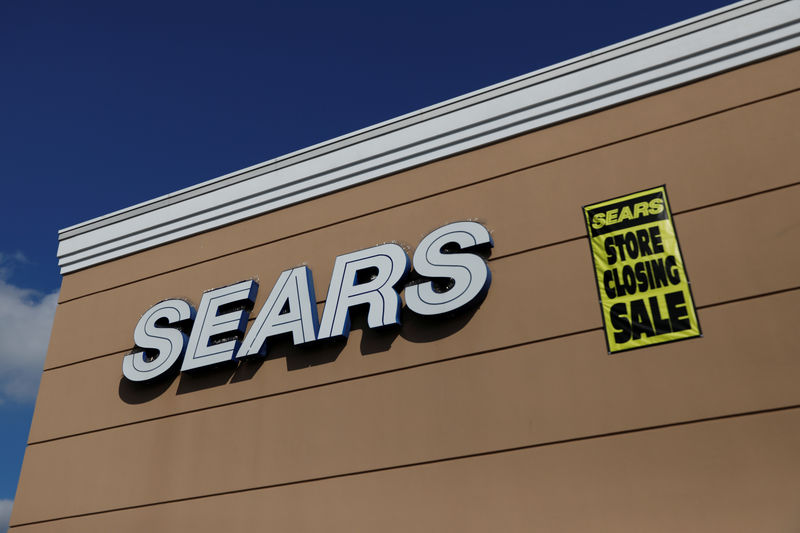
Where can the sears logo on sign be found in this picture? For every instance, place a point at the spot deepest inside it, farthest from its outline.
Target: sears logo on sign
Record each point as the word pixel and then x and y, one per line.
pixel 291 305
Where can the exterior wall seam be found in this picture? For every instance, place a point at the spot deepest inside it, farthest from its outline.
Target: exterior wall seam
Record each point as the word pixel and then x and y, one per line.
pixel 611 434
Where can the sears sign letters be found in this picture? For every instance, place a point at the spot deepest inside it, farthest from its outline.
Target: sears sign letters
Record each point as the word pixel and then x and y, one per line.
pixel 370 277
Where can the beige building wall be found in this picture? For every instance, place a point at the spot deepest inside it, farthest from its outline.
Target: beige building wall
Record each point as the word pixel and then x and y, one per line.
pixel 512 417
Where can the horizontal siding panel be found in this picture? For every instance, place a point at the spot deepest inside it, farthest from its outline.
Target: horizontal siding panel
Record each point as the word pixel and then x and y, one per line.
pixel 545 392
pixel 738 475
pixel 686 103
pixel 737 153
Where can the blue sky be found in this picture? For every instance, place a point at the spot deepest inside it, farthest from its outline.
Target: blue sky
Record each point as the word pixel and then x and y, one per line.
pixel 107 104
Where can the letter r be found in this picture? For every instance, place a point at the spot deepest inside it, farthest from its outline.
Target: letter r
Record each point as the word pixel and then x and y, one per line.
pixel 392 265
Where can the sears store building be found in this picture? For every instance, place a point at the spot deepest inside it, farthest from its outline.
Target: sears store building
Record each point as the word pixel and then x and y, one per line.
pixel 405 328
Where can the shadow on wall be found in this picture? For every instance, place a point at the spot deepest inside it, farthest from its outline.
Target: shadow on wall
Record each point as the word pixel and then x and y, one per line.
pixel 415 328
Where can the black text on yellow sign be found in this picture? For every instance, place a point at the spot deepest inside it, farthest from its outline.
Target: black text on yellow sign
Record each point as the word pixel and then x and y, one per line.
pixel 645 294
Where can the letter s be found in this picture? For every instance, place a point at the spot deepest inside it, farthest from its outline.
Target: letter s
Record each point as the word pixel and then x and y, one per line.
pixel 656 206
pixel 469 273
pixel 168 342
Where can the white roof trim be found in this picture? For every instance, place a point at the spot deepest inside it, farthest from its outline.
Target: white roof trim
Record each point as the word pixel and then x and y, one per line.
pixel 717 41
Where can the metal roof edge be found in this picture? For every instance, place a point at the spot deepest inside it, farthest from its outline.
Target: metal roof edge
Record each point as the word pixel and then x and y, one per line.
pixel 732 36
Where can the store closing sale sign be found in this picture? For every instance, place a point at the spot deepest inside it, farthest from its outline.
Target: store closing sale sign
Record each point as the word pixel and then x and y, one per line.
pixel 645 294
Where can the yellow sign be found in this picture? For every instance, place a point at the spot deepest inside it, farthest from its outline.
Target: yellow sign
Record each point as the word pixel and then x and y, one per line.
pixel 645 295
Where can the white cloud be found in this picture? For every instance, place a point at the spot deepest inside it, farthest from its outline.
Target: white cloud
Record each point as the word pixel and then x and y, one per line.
pixel 26 317
pixel 5 514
